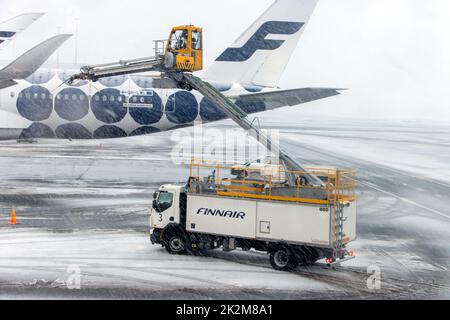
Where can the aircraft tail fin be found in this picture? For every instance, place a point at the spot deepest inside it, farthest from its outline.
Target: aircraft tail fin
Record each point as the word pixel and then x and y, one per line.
pixel 9 29
pixel 260 55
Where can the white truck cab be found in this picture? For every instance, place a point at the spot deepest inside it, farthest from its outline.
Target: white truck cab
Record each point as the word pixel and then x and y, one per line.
pixel 166 206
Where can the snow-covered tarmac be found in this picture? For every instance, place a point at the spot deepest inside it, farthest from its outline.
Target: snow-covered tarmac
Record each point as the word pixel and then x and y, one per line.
pixel 84 206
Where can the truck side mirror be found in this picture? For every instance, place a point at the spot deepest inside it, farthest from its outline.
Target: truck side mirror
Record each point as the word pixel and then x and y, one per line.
pixel 155 195
pixel 155 204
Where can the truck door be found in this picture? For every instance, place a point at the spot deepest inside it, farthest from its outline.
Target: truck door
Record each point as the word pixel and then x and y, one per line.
pixel 197 49
pixel 163 210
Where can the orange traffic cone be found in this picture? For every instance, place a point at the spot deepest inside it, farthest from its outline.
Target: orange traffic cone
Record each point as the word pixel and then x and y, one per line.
pixel 13 217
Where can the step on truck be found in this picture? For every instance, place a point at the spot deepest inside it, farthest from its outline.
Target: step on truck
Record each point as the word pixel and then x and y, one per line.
pixel 252 207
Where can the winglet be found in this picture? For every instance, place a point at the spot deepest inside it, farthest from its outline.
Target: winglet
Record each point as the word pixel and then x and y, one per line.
pixel 33 59
pixel 9 29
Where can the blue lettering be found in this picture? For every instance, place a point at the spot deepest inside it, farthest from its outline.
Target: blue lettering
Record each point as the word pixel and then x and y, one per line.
pixel 221 213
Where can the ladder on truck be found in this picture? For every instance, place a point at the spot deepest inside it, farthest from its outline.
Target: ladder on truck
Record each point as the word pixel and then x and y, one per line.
pixel 338 204
pixel 338 230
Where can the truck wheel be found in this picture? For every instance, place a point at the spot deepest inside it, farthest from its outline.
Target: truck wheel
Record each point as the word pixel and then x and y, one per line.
pixel 175 244
pixel 282 258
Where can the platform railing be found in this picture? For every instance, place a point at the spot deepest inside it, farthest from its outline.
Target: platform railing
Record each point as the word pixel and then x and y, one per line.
pixel 339 184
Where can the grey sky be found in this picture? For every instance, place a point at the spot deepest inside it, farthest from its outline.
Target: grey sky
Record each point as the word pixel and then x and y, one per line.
pixel 392 55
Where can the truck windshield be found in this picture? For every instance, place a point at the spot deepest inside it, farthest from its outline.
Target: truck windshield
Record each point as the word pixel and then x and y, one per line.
pixel 179 40
pixel 164 202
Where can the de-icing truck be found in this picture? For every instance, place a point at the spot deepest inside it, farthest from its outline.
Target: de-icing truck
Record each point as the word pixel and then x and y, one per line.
pixel 252 207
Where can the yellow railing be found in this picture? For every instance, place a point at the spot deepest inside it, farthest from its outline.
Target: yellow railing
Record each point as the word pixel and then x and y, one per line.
pixel 339 185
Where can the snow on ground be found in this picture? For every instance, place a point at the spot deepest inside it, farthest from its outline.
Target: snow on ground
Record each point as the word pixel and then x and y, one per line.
pixel 422 150
pixel 129 258
pixel 85 205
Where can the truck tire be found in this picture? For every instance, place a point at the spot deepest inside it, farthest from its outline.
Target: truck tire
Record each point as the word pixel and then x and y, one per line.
pixel 282 258
pixel 175 244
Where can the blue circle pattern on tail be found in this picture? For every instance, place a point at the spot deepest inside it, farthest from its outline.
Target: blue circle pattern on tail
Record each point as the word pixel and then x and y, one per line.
pixel 72 104
pixel 35 103
pixel 146 109
pixel 72 131
pixel 108 106
pixel 181 107
pixel 37 130
pixel 107 132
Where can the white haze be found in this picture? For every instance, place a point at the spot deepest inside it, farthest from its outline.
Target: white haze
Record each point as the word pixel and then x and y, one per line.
pixel 392 55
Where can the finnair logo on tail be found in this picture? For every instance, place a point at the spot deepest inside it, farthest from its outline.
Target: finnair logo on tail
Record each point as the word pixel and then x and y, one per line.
pixel 259 42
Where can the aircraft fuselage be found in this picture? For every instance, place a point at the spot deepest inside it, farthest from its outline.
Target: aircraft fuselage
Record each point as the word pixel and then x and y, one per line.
pixel 110 108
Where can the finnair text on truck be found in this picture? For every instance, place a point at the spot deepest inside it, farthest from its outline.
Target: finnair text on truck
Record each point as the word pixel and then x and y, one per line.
pixel 222 213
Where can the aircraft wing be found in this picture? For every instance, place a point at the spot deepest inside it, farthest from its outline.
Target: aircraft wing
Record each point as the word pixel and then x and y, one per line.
pixel 7 83
pixel 9 29
pixel 30 61
pixel 283 98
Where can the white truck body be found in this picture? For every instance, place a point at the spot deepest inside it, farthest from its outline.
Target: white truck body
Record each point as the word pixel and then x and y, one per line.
pixel 309 224
pixel 273 221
